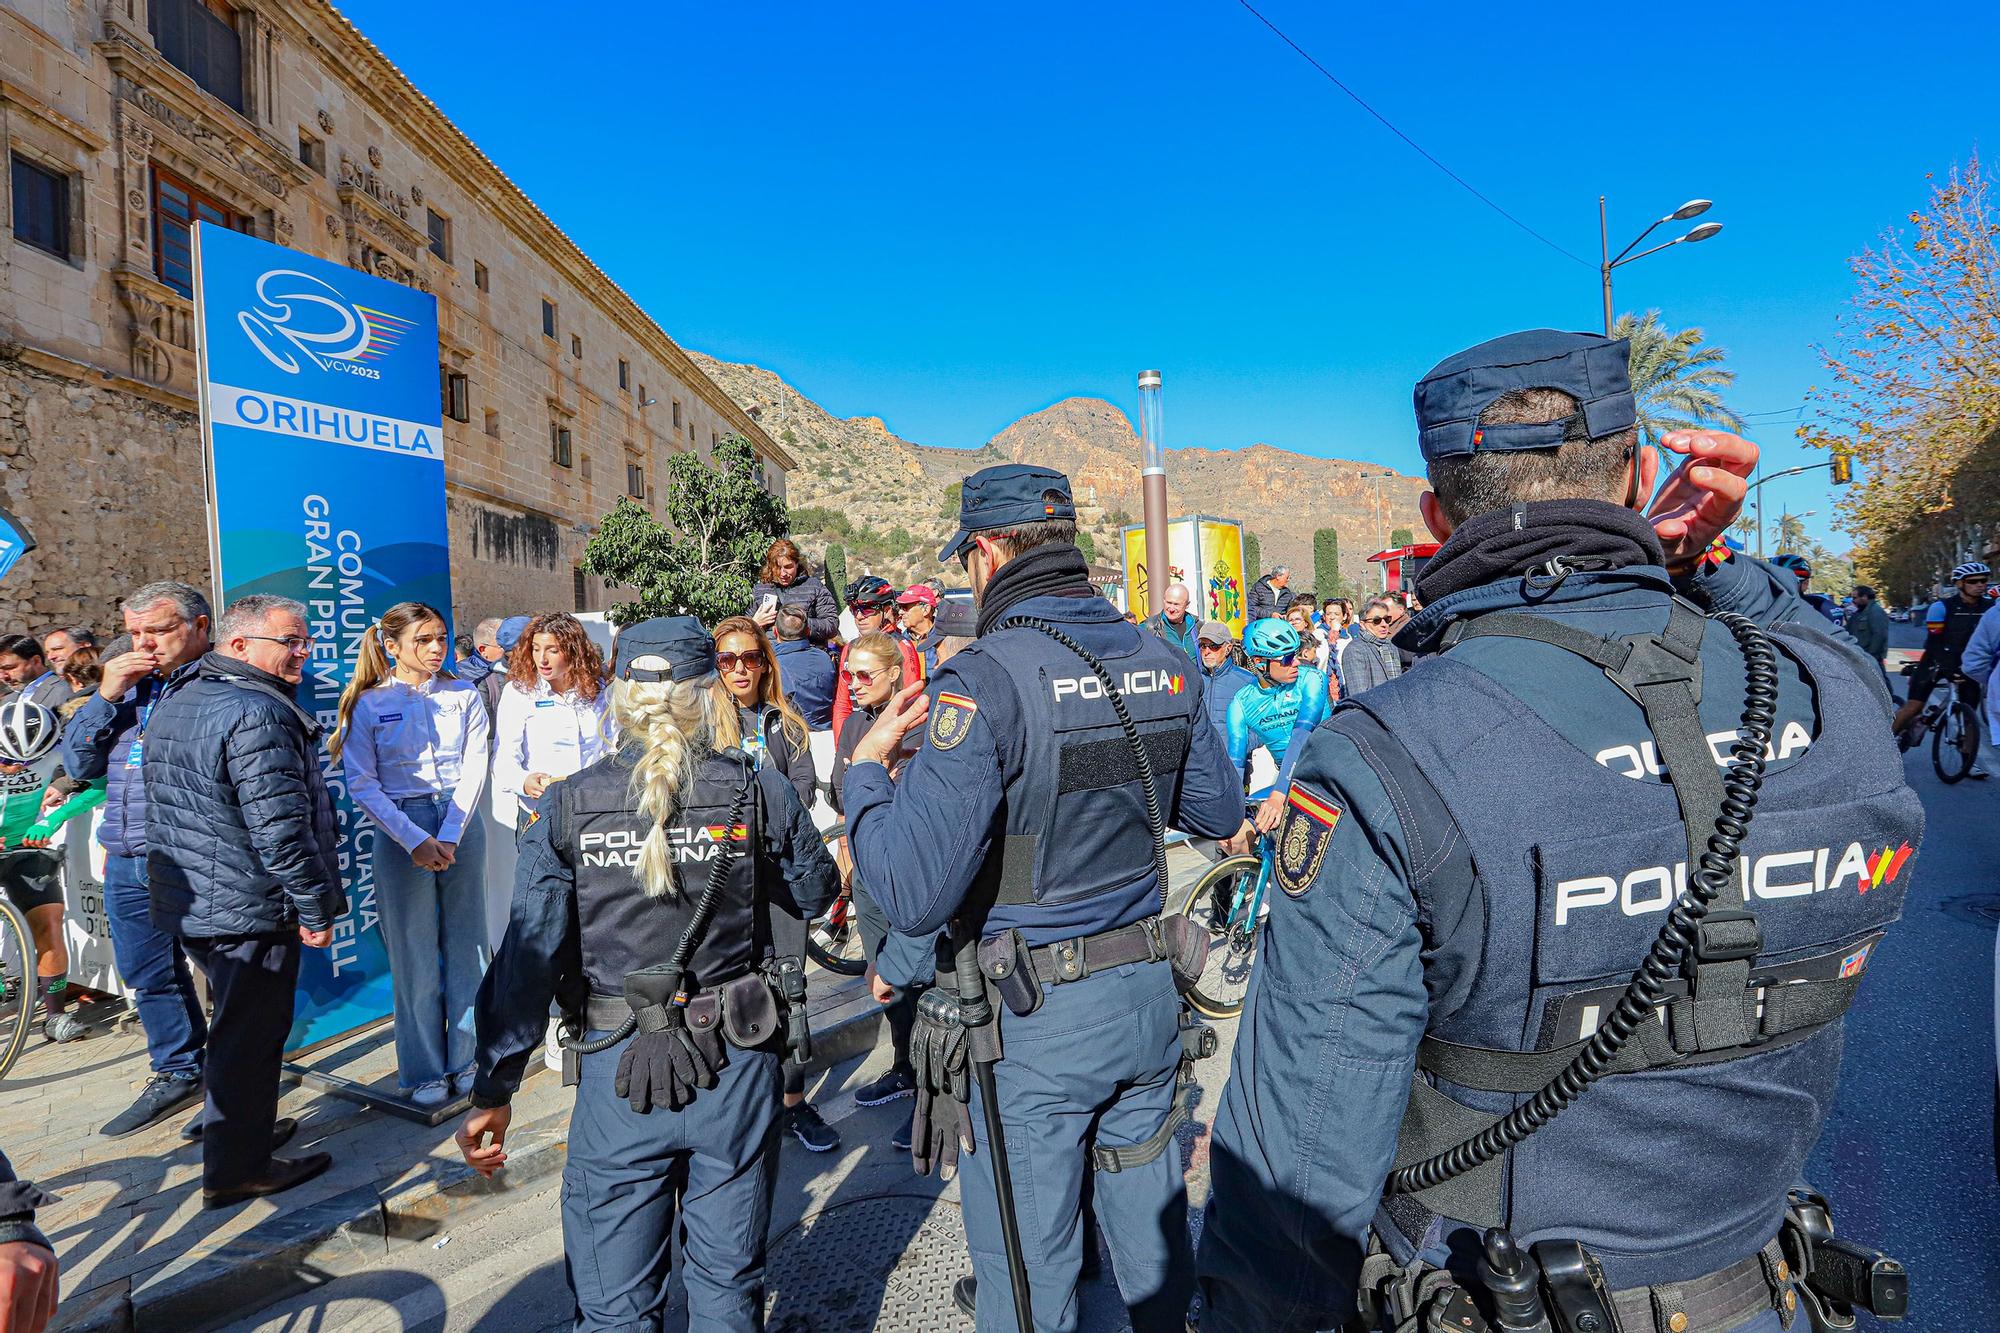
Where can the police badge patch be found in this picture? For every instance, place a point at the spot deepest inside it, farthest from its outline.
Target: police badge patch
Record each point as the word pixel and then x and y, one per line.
pixel 1302 838
pixel 951 718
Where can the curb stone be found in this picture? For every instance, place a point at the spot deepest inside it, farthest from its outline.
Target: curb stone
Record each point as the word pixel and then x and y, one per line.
pixel 297 1249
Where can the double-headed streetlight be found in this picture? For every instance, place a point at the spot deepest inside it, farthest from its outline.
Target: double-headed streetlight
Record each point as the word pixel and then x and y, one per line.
pixel 1692 208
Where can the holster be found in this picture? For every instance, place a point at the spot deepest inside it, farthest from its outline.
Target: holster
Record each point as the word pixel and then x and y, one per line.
pixel 749 1011
pixel 788 979
pixel 1005 961
pixel 1186 947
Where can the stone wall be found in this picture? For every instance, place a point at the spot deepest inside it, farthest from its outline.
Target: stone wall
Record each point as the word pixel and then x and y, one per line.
pixel 109 483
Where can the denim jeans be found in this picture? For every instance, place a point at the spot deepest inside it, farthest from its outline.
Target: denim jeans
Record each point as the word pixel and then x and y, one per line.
pixel 434 930
pixel 155 970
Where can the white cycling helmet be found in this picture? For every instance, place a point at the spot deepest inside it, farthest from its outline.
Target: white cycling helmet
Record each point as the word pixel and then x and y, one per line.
pixel 27 731
pixel 1971 569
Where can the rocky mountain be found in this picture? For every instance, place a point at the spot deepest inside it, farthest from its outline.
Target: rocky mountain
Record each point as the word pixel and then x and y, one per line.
pixel 888 502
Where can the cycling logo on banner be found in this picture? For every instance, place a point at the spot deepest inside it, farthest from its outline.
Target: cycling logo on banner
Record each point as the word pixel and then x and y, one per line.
pixel 302 319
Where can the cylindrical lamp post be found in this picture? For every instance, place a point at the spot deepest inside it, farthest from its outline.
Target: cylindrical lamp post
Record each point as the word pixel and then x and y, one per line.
pixel 1153 483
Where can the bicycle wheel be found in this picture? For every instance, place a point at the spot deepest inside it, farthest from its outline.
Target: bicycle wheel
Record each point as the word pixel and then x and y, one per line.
pixel 833 939
pixel 1955 743
pixel 17 984
pixel 1219 903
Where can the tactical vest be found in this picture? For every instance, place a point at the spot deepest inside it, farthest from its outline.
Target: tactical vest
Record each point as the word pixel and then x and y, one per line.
pixel 623 929
pixel 1677 1165
pixel 1076 822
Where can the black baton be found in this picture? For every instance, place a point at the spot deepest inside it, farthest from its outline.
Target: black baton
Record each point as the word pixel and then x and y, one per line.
pixel 982 1043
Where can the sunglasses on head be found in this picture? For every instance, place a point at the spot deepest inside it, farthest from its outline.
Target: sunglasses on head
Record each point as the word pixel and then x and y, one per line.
pixel 730 661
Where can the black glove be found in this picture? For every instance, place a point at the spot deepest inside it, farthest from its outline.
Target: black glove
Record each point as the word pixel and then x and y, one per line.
pixel 941 1124
pixel 666 1063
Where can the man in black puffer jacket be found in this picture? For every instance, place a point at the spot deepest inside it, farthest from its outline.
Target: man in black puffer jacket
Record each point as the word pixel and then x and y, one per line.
pixel 242 867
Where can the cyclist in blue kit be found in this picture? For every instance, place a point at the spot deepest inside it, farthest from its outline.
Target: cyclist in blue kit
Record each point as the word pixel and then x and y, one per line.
pixel 1289 701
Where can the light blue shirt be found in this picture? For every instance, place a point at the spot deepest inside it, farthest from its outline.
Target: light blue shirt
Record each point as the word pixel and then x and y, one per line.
pixel 412 740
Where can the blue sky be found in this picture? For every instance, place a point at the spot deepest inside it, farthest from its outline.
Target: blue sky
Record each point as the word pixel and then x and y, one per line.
pixel 949 216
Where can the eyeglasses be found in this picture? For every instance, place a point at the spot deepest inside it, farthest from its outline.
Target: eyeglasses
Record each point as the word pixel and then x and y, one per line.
pixel 730 661
pixel 296 644
pixel 863 677
pixel 1208 647
pixel 867 610
pixel 1289 659
pixel 1380 620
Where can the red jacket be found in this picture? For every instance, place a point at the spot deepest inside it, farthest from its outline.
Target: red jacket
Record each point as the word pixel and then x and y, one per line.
pixel 843 703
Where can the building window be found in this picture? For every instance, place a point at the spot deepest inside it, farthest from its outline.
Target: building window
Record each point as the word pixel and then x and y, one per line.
pixel 177 206
pixel 492 423
pixel 677 414
pixel 198 38
pixel 479 279
pixel 548 318
pixel 576 344
pixel 559 445
pixel 456 392
pixel 576 587
pixel 585 469
pixel 635 481
pixel 439 227
pixel 624 373
pixel 312 152
pixel 41 207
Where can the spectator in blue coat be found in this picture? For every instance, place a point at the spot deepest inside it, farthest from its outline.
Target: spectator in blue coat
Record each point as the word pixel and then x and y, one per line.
pixel 169 625
pixel 242 864
pixel 804 669
pixel 786 581
pixel 1221 676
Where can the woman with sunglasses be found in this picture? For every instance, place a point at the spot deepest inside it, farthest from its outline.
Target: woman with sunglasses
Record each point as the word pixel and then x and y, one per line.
pixel 753 715
pixel 1371 658
pixel 873 604
pixel 1288 700
pixel 875 672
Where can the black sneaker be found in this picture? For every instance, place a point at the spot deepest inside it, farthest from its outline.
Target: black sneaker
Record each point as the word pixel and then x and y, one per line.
pixel 804 1123
pixel 885 1089
pixel 163 1095
pixel 965 1295
pixel 900 1140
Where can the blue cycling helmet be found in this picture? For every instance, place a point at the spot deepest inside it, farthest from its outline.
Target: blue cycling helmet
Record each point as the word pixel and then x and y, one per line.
pixel 1270 637
pixel 1796 563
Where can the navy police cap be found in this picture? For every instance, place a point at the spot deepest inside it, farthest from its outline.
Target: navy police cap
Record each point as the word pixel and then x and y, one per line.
pixel 1594 370
pixel 664 648
pixel 1007 496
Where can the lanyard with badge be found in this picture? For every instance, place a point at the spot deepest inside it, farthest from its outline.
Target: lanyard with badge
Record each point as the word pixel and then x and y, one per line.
pixel 136 752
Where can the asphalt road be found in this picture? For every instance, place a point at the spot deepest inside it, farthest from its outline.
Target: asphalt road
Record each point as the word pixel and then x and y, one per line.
pixel 1907 1157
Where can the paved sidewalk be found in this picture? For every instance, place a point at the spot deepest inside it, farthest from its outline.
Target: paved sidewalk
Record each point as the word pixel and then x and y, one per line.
pixel 138 1251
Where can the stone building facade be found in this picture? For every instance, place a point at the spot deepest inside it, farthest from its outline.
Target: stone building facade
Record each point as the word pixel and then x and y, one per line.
pixel 123 122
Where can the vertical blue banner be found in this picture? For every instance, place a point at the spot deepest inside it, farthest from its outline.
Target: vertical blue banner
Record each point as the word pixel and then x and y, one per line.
pixel 319 401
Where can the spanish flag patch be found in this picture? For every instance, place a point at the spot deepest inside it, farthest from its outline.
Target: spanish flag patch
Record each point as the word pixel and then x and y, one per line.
pixel 1303 834
pixel 951 719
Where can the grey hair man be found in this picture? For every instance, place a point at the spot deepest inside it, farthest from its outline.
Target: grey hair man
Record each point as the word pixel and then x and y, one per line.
pixel 167 624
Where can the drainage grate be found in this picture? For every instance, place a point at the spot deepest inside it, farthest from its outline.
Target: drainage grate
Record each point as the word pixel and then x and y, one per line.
pixel 884 1262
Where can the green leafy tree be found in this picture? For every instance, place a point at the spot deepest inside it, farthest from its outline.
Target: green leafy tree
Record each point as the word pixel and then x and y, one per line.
pixel 951 498
pixel 1253 559
pixel 1676 382
pixel 1085 543
pixel 1326 564
pixel 1401 537
pixel 836 568
pixel 705 563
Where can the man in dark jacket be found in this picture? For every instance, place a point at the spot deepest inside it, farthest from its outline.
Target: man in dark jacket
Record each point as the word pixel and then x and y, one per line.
pixel 1176 624
pixel 1372 656
pixel 805 671
pixel 242 864
pixel 1869 623
pixel 1267 595
pixel 169 625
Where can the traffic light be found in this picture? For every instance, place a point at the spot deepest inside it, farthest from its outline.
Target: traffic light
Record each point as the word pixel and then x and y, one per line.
pixel 1843 467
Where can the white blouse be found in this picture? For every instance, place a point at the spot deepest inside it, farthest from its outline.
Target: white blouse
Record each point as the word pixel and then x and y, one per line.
pixel 540 731
pixel 417 740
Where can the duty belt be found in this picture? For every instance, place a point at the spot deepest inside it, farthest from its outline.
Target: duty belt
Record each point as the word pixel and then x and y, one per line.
pixel 1073 960
pixel 744 1008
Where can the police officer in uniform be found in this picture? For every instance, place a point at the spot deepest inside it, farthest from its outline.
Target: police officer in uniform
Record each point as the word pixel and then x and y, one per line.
pixel 1022 821
pixel 1477 857
pixel 644 917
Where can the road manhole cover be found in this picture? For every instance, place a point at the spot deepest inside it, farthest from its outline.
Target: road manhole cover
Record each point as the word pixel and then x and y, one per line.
pixel 887 1261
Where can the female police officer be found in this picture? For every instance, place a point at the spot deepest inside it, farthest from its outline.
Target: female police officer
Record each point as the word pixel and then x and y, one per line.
pixel 641 900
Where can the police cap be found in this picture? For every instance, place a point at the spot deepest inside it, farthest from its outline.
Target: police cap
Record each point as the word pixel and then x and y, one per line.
pixel 996 498
pixel 1594 370
pixel 664 648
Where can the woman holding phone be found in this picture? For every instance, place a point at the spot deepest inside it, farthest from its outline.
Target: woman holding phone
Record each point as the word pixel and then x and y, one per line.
pixel 551 721
pixel 755 716
pixel 786 580
pixel 414 741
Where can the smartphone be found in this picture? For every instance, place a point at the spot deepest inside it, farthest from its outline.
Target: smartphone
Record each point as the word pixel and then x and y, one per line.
pixel 770 604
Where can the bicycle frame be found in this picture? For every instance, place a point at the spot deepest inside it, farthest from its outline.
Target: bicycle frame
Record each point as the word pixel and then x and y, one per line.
pixel 1256 894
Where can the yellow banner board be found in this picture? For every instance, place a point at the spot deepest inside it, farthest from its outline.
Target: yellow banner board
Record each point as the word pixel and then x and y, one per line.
pixel 1204 555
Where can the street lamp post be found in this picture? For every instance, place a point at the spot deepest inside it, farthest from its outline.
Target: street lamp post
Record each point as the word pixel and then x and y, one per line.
pixel 1375 496
pixel 1692 208
pixel 1756 495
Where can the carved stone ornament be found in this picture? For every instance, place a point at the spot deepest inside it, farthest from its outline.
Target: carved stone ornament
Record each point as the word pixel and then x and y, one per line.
pixel 235 153
pixel 161 324
pixel 284 228
pixel 332 225
pixel 417 195
pixel 325 121
pixel 136 200
pixel 374 156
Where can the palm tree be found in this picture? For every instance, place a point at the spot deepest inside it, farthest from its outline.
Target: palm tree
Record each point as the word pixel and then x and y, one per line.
pixel 1746 528
pixel 1677 383
pixel 1791 533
